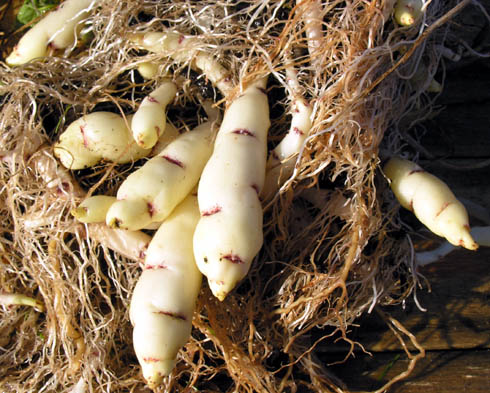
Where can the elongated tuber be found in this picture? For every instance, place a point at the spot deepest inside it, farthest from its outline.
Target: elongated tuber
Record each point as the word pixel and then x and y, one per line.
pixel 149 121
pixel 150 193
pixel 95 137
pixel 282 159
pixel 56 30
pixel 229 233
pixel 185 49
pixel 165 296
pixel 431 200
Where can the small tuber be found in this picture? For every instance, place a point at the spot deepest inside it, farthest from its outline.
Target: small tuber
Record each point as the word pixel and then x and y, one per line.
pixel 431 200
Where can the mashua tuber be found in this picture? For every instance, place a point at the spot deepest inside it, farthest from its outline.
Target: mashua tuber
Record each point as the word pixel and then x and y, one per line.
pixel 56 30
pixel 149 121
pixel 95 137
pixel 150 193
pixel 229 233
pixel 165 296
pixel 431 200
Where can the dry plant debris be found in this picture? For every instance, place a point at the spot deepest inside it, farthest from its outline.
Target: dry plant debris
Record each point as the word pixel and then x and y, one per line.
pixel 334 247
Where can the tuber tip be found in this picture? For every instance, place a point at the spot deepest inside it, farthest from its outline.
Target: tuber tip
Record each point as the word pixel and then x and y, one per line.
pixel 79 213
pixel 218 289
pixel 154 371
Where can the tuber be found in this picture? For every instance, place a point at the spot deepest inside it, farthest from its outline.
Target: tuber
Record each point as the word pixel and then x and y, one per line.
pixel 165 296
pixel 431 200
pixel 185 49
pixel 229 233
pixel 150 193
pixel 282 159
pixel 93 209
pixel 95 137
pixel 149 121
pixel 407 12
pixel 56 30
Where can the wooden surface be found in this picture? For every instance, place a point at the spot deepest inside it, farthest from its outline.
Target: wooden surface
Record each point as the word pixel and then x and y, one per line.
pixel 454 331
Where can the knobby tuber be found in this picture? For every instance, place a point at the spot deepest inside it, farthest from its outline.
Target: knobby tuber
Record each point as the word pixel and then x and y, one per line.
pixel 150 193
pixel 229 233
pixel 149 121
pixel 165 296
pixel 56 30
pixel 431 200
pixel 95 137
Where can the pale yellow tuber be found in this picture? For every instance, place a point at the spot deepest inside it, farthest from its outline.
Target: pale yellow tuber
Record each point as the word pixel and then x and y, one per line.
pixel 93 209
pixel 229 233
pixel 407 12
pixel 165 296
pixel 95 137
pixel 149 121
pixel 431 200
pixel 150 193
pixel 57 30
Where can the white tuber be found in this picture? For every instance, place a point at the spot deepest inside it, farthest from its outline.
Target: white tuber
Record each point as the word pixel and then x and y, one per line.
pixel 431 200
pixel 185 49
pixel 229 233
pixel 147 70
pixel 150 193
pixel 95 137
pixel 149 121
pixel 165 296
pixel 57 30
pixel 282 159
pixel 129 244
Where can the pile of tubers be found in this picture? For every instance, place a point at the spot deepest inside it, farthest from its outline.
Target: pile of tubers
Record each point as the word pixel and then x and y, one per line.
pixel 201 193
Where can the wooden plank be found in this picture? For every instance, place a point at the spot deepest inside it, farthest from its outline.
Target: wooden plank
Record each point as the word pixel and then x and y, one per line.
pixel 458 307
pixel 439 371
pixel 457 316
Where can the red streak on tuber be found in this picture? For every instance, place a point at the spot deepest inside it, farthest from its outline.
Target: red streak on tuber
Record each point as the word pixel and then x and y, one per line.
pixel 85 140
pixel 157 129
pixel 415 171
pixel 156 267
pixel 152 99
pixel 243 131
pixel 233 258
pixel 262 90
pixel 172 315
pixel 174 161
pixel 210 212
pixel 256 188
pixel 151 208
pixel 181 39
pixel 151 360
pixel 446 204
pixel 142 254
pixel 298 131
